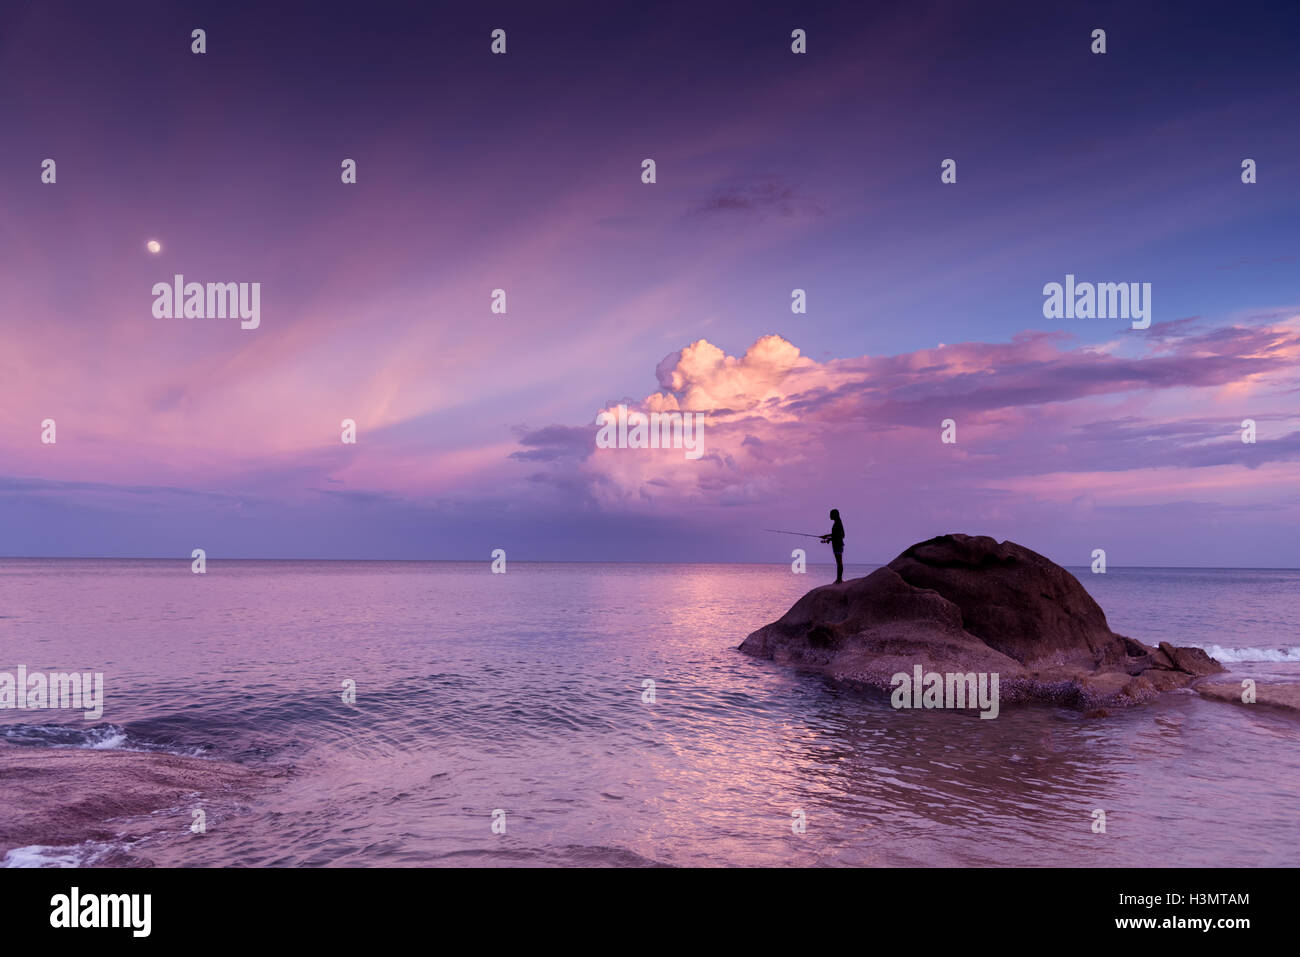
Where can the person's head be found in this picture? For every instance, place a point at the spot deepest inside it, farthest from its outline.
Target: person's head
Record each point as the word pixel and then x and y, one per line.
pixel 835 514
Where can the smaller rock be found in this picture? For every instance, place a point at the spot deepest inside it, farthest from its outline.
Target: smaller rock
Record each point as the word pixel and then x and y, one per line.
pixel 1193 661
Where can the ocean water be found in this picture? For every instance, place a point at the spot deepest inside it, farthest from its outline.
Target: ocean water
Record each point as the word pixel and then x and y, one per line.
pixel 523 693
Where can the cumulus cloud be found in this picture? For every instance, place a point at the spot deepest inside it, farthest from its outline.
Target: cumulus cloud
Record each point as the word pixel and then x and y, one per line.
pixel 780 424
pixel 702 377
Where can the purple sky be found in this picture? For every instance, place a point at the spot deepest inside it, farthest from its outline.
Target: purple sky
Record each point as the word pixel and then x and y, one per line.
pixel 774 171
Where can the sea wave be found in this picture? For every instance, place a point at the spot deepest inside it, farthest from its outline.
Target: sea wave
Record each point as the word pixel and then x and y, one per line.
pixel 102 737
pixel 44 855
pixel 1252 654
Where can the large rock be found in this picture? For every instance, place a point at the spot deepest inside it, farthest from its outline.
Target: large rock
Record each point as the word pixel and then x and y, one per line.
pixel 962 603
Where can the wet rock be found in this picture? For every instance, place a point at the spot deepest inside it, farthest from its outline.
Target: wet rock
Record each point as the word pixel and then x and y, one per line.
pixel 962 603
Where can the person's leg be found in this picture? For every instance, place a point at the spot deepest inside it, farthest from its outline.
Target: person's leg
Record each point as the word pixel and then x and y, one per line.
pixel 839 567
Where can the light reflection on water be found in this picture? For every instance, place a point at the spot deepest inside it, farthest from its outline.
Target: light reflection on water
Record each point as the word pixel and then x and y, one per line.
pixel 524 692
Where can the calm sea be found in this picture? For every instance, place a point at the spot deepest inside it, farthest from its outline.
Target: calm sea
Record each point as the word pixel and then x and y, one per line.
pixel 523 693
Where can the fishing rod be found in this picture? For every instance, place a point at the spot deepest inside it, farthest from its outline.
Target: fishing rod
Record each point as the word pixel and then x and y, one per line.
pixel 781 531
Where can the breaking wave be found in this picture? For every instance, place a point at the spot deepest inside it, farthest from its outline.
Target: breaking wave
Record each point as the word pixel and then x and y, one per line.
pixel 103 737
pixel 1252 654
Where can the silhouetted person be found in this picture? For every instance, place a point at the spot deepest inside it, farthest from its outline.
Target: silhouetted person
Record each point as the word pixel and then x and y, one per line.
pixel 836 539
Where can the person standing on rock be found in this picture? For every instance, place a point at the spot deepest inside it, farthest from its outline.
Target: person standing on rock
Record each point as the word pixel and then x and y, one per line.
pixel 836 540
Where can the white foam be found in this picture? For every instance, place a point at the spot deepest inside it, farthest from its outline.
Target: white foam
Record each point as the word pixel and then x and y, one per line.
pixel 42 855
pixel 111 741
pixel 1252 654
pixel 105 737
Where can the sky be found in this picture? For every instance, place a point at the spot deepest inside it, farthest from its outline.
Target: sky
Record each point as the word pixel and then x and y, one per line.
pixel 775 171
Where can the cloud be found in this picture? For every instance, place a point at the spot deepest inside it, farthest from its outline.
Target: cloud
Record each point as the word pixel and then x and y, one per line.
pixel 555 443
pixel 702 377
pixel 756 196
pixel 780 424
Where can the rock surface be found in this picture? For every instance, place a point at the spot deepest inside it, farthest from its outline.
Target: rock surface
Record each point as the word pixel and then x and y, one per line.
pixel 1272 695
pixel 962 603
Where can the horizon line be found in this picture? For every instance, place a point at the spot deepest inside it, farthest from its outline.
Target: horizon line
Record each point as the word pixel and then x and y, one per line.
pixel 568 561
